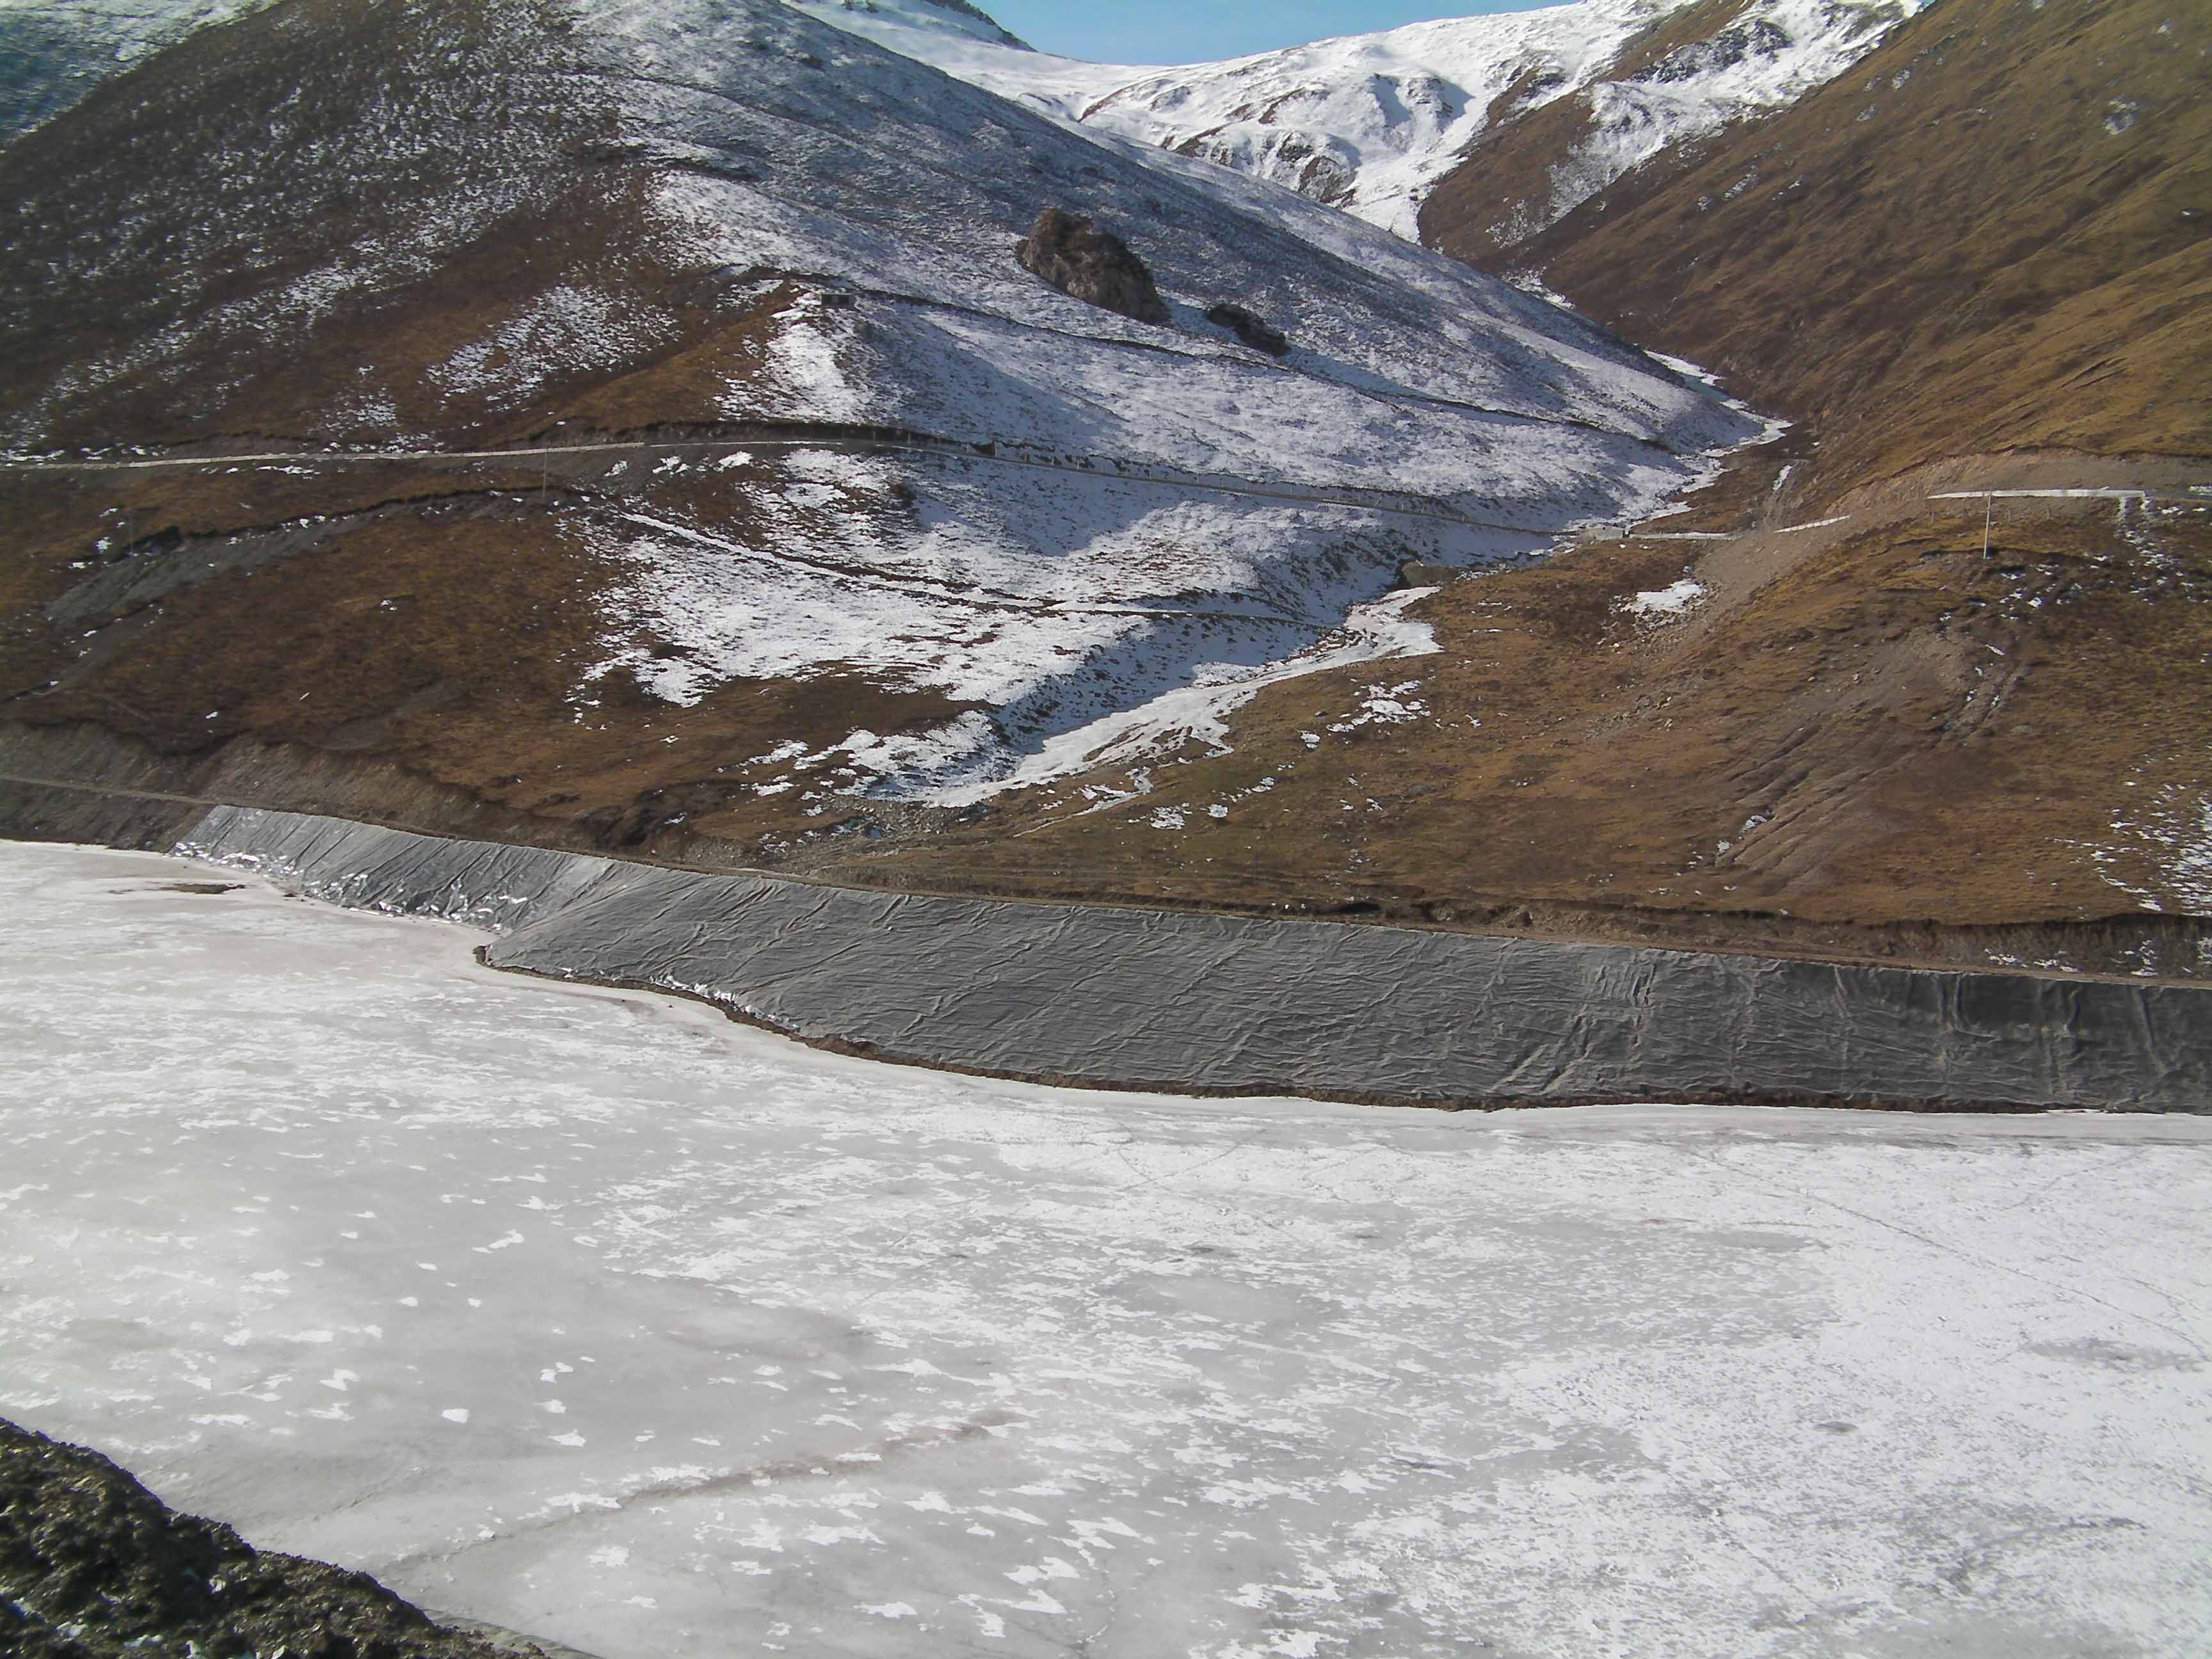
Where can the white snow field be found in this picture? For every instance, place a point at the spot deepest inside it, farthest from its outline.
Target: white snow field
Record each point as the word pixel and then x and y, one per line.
pixel 596 1316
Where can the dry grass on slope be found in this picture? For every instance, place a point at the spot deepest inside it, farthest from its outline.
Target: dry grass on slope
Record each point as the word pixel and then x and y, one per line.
pixel 357 224
pixel 1854 740
pixel 1992 234
pixel 438 622
pixel 1864 740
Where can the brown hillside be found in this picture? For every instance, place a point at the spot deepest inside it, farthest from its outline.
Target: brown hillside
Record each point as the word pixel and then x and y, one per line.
pixel 1990 235
pixel 1870 738
pixel 1980 259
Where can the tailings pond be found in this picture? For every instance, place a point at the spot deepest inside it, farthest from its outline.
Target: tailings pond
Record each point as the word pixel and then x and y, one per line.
pixel 600 1317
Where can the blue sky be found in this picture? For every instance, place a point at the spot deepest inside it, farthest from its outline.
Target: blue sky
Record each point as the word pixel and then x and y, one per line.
pixel 1191 31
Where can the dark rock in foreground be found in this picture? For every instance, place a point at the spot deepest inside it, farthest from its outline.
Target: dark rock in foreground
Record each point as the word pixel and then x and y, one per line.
pixel 94 1565
pixel 1091 264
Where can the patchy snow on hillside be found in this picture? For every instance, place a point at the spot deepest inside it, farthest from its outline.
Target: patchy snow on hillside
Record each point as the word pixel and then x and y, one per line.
pixel 894 178
pixel 436 117
pixel 954 18
pixel 563 328
pixel 1084 613
pixel 2167 830
pixel 1770 57
pixel 1157 519
pixel 1093 512
pixel 599 1317
pixel 1372 122
pixel 1187 717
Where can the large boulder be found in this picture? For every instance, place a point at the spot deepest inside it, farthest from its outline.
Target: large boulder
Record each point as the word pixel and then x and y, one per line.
pixel 1254 330
pixel 1091 264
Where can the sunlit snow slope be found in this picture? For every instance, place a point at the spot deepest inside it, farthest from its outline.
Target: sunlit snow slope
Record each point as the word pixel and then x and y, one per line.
pixel 1370 122
pixel 1024 515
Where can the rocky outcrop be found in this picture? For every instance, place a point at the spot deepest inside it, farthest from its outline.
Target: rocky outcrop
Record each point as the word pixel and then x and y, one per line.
pixel 1255 330
pixel 987 25
pixel 94 1565
pixel 1090 265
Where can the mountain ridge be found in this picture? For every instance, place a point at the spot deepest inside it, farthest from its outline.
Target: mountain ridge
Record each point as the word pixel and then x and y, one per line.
pixel 1372 123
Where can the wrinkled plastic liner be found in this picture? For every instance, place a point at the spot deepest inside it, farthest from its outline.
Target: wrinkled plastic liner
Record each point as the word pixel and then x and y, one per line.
pixel 1234 1005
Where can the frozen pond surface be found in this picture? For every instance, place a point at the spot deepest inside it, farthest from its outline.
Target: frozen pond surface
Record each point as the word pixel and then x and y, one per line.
pixel 597 1317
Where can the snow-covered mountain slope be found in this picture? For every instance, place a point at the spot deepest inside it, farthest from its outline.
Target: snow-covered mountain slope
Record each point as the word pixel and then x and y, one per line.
pixel 1368 123
pixel 1372 122
pixel 932 477
pixel 51 53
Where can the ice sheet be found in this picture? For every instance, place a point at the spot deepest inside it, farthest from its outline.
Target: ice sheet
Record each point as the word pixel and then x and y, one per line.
pixel 595 1316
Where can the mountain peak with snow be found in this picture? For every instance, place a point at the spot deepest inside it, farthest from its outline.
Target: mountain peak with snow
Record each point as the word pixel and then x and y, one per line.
pixel 1371 123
